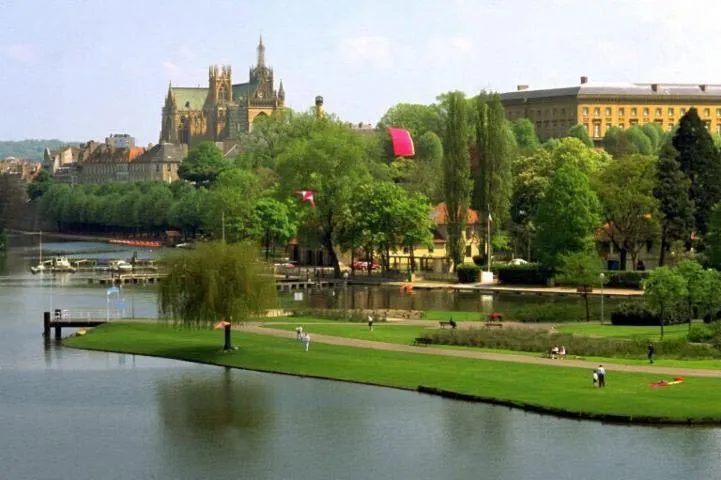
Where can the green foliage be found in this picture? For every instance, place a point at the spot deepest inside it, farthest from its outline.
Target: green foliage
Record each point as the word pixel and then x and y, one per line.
pixel 699 333
pixel 457 183
pixel 579 131
pixel 639 141
pixel 417 119
pixel 273 223
pixel 11 195
pixel 567 216
pixel 39 185
pixel 424 172
pixel 665 293
pixel 616 279
pixel 675 205
pixel 203 164
pixel 701 162
pixel 656 135
pixel 633 313
pixel 468 273
pixel 30 149
pixel 216 281
pixel 548 312
pixel 527 274
pixel 525 133
pixel 579 268
pixel 712 241
pixel 570 150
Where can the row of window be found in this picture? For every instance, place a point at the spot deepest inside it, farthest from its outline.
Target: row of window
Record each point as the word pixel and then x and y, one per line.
pixel 646 111
pixel 594 130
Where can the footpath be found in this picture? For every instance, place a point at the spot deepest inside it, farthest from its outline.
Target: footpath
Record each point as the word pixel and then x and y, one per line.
pixel 499 357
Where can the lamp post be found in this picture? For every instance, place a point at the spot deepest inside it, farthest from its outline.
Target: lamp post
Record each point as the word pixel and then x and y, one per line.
pixel 602 281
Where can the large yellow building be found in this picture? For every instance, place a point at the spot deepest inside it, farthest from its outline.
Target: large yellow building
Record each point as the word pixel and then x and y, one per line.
pixel 222 110
pixel 600 107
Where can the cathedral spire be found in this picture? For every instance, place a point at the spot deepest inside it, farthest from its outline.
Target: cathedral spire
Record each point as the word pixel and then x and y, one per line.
pixel 261 53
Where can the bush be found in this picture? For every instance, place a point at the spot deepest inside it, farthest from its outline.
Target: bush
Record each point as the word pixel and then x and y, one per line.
pixel 699 333
pixel 633 313
pixel 616 279
pixel 528 274
pixel 468 273
pixel 549 312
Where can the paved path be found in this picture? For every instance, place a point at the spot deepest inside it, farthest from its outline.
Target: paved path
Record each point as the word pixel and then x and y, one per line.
pixel 501 357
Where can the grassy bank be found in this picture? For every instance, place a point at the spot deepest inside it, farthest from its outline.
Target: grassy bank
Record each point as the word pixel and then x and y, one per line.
pixel 565 391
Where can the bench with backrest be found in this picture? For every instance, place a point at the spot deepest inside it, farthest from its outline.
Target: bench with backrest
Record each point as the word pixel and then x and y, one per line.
pixel 422 341
pixel 450 323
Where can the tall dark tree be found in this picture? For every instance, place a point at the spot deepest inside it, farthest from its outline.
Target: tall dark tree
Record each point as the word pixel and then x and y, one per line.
pixel 672 192
pixel 457 183
pixel 203 164
pixel 701 162
pixel 494 147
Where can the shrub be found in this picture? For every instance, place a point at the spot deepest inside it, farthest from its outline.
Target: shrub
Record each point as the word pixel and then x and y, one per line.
pixel 616 279
pixel 549 312
pixel 528 274
pixel 633 313
pixel 699 333
pixel 468 273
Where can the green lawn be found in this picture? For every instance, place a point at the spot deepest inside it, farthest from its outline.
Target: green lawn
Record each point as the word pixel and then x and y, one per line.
pixel 445 315
pixel 567 389
pixel 608 330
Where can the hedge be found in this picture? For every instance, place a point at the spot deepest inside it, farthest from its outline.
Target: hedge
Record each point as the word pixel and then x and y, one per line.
pixel 619 279
pixel 528 274
pixel 468 273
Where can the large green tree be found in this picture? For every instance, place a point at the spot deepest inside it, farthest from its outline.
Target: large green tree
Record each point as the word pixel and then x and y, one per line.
pixel 416 118
pixel 581 269
pixel 457 183
pixel 676 207
pixel 273 223
pixel 203 164
pixel 11 195
pixel 700 161
pixel 567 216
pixel 422 173
pixel 629 209
pixel 525 133
pixel 495 147
pixel 579 131
pixel 665 293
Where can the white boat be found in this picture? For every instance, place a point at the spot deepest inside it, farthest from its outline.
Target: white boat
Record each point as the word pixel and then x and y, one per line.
pixel 61 264
pixel 121 266
pixel 40 267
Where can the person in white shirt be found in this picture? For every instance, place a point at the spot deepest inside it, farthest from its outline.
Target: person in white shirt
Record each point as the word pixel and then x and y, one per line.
pixel 306 341
pixel 601 376
pixel 370 323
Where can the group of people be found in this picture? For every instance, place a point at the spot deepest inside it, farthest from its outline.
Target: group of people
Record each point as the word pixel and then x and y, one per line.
pixel 302 336
pixel 557 352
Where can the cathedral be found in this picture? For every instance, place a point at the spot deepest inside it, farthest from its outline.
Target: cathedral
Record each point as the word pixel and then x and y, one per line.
pixel 221 111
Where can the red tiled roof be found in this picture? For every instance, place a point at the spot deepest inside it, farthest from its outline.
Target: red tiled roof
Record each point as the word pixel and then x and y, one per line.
pixel 439 215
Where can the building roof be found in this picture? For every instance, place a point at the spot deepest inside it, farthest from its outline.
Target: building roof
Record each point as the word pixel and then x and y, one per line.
pixel 647 90
pixel 189 98
pixel 242 90
pixel 439 215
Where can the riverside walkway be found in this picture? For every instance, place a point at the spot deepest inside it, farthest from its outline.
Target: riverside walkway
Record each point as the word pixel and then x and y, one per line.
pixel 480 355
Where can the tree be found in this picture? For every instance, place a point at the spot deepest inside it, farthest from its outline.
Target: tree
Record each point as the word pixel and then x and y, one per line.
pixel 697 290
pixel 656 135
pixel 273 223
pixel 203 164
pixel 664 293
pixel 422 173
pixel 616 143
pixel 672 192
pixel 11 195
pixel 582 269
pixel 713 238
pixel 216 281
pixel 579 131
pixel 228 208
pixel 494 148
pixel 525 133
pixel 567 216
pixel 572 150
pixel 629 209
pixel 39 185
pixel 457 183
pixel 639 140
pixel 417 119
pixel 701 162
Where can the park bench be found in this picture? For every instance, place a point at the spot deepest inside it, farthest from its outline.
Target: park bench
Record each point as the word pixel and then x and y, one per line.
pixel 422 341
pixel 449 323
pixel 493 324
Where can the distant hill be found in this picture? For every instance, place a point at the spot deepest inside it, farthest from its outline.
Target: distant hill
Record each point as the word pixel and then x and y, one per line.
pixel 29 149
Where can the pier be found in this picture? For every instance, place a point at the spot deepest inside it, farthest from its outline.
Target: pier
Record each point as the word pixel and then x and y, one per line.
pixel 66 319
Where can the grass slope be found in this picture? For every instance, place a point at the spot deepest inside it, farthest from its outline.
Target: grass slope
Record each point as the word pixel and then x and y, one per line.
pixel 564 389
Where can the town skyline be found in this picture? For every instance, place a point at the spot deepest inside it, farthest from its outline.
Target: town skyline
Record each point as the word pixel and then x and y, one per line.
pixel 77 72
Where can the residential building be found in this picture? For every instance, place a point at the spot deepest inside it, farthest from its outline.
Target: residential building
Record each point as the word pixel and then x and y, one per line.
pixel 599 107
pixel 222 110
pixel 25 170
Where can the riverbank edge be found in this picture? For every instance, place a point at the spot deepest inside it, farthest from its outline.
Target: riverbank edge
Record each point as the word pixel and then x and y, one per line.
pixel 451 395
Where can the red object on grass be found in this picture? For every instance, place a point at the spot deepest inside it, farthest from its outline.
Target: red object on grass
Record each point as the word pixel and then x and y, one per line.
pixel 221 324
pixel 402 142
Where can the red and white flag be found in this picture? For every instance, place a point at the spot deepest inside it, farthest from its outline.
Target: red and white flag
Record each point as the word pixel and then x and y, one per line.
pixel 306 196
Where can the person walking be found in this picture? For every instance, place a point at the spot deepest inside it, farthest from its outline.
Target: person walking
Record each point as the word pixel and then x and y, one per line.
pixel 370 323
pixel 650 351
pixel 306 340
pixel 601 376
pixel 299 333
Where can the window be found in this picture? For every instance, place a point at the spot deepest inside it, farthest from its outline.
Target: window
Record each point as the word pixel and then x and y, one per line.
pixel 608 111
pixel 563 112
pixel 718 112
pixel 596 130
pixel 538 113
pixel 670 127
pixel 707 124
pixel 584 111
pixel 553 113
pixel 706 112
pixel 588 130
pixel 659 112
pixel 621 111
pixel 597 112
pixel 718 128
pixel 634 112
pixel 468 250
pixel 609 126
pixel 621 126
pixel 670 111
pixel 683 111
pixel 645 112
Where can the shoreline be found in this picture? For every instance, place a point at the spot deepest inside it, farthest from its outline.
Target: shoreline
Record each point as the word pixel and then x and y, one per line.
pixel 311 369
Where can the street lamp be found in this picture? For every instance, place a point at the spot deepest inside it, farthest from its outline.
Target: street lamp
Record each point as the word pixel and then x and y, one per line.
pixel 602 279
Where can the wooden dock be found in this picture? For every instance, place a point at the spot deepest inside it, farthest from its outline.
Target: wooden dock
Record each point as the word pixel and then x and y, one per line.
pixel 62 320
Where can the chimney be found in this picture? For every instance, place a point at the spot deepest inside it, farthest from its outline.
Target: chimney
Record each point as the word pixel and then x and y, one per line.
pixel 654 87
pixel 702 87
pixel 584 79
pixel 521 87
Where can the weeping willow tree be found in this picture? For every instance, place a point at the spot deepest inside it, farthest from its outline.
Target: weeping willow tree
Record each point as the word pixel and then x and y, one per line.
pixel 216 281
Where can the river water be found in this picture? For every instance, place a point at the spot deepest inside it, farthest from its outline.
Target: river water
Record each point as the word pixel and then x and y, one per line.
pixel 72 414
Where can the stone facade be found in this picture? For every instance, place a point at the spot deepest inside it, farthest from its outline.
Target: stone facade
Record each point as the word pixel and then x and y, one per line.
pixel 222 111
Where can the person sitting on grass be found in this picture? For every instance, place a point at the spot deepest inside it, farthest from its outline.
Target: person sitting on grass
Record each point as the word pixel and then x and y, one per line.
pixel 554 352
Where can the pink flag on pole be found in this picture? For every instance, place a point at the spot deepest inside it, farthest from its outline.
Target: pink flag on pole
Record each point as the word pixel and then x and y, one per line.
pixel 402 142
pixel 306 196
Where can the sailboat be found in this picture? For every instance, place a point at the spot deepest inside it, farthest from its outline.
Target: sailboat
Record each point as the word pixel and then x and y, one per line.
pixel 40 267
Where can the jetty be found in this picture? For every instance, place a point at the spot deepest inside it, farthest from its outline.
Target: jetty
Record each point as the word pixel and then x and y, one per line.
pixel 70 319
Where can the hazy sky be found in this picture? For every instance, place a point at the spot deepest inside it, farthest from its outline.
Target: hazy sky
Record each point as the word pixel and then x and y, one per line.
pixel 80 70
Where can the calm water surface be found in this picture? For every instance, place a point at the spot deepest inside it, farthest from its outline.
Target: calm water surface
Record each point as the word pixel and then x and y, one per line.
pixel 69 414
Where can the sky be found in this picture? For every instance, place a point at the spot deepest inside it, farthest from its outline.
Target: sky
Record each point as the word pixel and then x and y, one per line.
pixel 82 69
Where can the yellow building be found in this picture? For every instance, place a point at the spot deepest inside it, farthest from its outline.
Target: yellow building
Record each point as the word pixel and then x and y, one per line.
pixel 222 110
pixel 600 107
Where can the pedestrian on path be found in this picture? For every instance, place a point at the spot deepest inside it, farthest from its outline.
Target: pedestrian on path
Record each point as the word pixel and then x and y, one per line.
pixel 649 352
pixel 299 333
pixel 306 340
pixel 601 376
pixel 370 323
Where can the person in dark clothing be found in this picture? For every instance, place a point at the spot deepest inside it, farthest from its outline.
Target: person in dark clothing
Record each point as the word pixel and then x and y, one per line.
pixel 650 350
pixel 452 323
